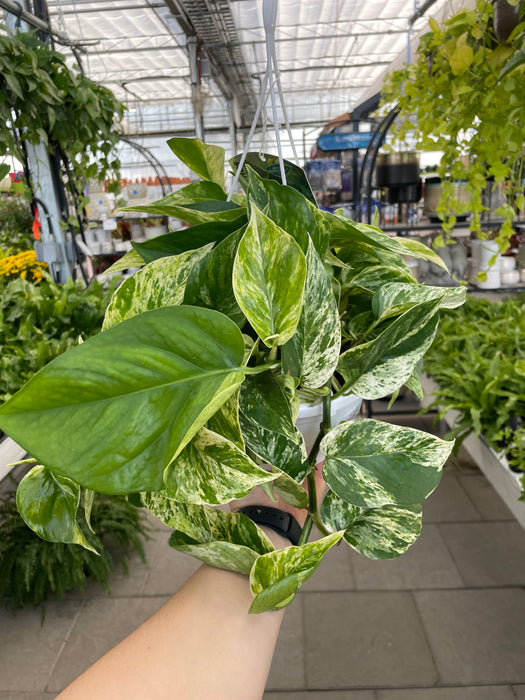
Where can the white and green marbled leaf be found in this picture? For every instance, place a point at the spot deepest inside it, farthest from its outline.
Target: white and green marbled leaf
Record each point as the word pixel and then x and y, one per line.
pixel 276 577
pixel 212 470
pixel 204 159
pixel 48 505
pixel 218 538
pixel 160 283
pixel 369 463
pixel 380 366
pixel 313 352
pixel 385 532
pixel 131 259
pixel 226 421
pixel 394 298
pixel 268 279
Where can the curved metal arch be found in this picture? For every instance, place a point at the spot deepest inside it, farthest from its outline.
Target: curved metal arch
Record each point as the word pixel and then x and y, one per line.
pixel 157 166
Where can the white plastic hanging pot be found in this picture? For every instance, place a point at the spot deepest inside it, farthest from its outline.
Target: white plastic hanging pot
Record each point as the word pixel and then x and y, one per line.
pixel 343 408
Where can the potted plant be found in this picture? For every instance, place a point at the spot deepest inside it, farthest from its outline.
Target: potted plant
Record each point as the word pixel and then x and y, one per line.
pixel 463 96
pixel 188 397
pixel 477 365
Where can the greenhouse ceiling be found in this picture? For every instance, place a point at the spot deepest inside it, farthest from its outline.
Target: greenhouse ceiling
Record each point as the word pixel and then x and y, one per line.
pixel 331 54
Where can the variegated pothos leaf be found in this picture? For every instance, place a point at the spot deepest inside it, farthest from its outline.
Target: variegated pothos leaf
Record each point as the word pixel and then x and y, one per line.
pixel 313 352
pixel 268 279
pixel 212 470
pixel 378 533
pixel 160 283
pixel 369 463
pixel 276 577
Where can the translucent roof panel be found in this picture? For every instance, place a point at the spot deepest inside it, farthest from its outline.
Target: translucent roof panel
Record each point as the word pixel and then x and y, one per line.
pixel 331 54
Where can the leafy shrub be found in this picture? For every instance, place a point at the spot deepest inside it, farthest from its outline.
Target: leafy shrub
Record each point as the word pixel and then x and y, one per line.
pixel 33 570
pixel 38 322
pixel 16 222
pixel 478 362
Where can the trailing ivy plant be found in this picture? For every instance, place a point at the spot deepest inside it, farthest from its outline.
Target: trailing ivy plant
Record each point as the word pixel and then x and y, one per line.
pixel 42 100
pixel 463 96
pixel 478 363
pixel 188 398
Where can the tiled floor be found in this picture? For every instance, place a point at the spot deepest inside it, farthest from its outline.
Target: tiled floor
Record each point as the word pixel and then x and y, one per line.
pixel 444 622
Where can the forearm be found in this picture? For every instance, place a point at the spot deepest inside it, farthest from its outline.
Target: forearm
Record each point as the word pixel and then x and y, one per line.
pixel 202 643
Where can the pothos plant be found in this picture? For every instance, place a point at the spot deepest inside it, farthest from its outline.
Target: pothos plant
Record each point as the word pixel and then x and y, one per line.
pixel 463 96
pixel 188 397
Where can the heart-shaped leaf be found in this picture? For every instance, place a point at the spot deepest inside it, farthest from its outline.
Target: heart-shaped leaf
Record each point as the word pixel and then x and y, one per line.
pixel 380 366
pixel 212 470
pixel 113 412
pixel 276 577
pixel 378 533
pixel 49 504
pixel 160 283
pixel 394 298
pixel 268 166
pixel 221 555
pixel 266 422
pixel 369 463
pixel 313 352
pixel 290 210
pixel 210 281
pixel 206 160
pixel 268 279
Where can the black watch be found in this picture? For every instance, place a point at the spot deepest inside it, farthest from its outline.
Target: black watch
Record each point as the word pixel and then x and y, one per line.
pixel 283 523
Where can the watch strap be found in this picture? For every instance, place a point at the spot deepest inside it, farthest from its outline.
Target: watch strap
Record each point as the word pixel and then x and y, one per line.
pixel 279 520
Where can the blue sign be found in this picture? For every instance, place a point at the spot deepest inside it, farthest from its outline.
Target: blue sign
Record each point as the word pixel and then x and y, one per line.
pixel 345 142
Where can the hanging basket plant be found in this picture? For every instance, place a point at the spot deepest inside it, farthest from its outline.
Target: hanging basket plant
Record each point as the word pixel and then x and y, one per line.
pixel 188 398
pixel 463 96
pixel 42 100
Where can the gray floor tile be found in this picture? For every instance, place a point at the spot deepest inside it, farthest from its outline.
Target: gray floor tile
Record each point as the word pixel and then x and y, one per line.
pixel 449 502
pixel 29 648
pixel 487 553
pixel 484 497
pixel 365 640
pixel 168 569
pixel 519 691
pixel 491 692
pixel 287 671
pixel 427 564
pixel 476 636
pixel 334 573
pixel 322 695
pixel 101 624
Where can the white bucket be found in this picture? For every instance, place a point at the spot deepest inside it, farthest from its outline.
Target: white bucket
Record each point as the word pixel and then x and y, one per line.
pixel 343 408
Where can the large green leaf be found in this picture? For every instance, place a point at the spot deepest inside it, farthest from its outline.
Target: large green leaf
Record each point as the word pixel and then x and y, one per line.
pixel 267 166
pixel 212 470
pixel 378 533
pixel 313 352
pixel 160 283
pixel 268 279
pixel 345 233
pixel 4 170
pixel 197 203
pixel 369 463
pixel 290 210
pixel 49 504
pixel 210 281
pixel 394 298
pixel 219 538
pixel 380 366
pixel 266 422
pixel 113 412
pixel 185 239
pixel 276 577
pixel 206 160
